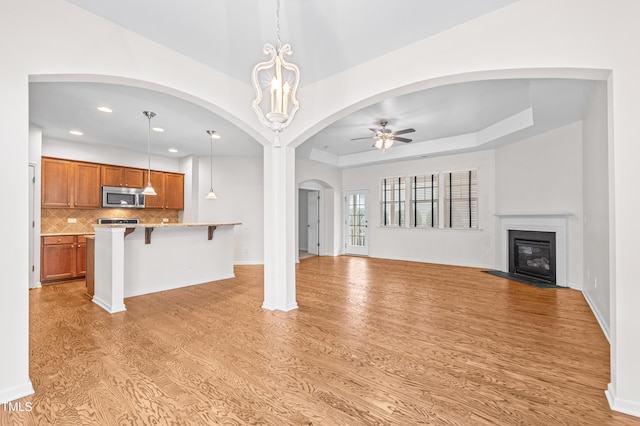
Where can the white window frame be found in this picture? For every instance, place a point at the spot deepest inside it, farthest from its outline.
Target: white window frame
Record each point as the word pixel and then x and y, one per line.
pixel 401 202
pixel 435 202
pixel 474 209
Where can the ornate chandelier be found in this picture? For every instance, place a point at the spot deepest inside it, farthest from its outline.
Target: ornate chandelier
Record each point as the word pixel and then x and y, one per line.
pixel 279 79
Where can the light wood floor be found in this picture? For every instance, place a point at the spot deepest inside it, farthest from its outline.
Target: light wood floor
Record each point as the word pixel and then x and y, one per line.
pixel 373 342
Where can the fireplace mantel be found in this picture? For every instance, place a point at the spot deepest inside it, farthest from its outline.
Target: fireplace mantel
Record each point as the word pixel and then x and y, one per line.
pixel 549 222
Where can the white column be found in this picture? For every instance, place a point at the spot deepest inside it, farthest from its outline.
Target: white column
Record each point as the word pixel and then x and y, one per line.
pixel 109 269
pixel 623 392
pixel 279 229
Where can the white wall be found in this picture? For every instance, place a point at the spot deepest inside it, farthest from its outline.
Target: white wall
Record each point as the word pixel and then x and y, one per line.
pixel 543 174
pixel 190 166
pixel 238 183
pixel 472 247
pixel 596 269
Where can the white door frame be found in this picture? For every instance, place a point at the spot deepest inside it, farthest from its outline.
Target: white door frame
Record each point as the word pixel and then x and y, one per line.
pixel 362 246
pixel 313 222
pixel 34 228
pixel 321 218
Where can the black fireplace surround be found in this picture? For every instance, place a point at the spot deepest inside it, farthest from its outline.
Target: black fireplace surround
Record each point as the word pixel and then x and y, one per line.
pixel 533 254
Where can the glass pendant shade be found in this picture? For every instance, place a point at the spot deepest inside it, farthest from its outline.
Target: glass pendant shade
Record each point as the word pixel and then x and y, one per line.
pixel 149 190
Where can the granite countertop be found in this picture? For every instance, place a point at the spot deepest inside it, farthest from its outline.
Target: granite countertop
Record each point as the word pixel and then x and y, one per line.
pixel 62 234
pixel 164 225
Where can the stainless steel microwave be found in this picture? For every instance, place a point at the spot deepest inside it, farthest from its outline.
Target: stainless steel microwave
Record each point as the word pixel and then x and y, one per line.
pixel 127 198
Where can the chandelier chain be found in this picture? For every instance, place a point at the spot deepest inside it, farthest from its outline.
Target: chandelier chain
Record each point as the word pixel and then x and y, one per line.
pixel 279 45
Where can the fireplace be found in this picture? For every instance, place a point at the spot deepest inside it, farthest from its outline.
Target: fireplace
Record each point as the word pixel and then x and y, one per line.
pixel 555 223
pixel 533 254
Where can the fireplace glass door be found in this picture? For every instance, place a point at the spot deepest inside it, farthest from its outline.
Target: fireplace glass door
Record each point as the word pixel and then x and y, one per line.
pixel 532 254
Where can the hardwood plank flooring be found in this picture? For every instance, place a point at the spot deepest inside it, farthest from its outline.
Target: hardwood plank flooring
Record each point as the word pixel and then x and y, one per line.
pixel 373 342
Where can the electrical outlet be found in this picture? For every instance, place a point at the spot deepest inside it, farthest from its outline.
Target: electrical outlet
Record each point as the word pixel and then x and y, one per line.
pixel 595 282
pixel 72 220
pixel 165 219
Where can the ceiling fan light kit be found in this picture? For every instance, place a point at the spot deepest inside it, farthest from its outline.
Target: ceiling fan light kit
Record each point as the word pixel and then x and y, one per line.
pixel 280 80
pixel 384 137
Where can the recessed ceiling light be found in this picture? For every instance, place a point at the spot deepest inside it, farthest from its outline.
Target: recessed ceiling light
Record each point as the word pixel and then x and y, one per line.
pixel 104 109
pixel 158 129
pixel 173 150
pixel 75 132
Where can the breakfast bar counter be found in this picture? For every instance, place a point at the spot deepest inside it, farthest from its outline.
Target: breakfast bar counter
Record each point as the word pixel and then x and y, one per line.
pixel 136 259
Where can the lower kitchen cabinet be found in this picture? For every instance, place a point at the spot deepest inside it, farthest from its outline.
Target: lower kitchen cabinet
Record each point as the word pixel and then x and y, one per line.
pixel 63 257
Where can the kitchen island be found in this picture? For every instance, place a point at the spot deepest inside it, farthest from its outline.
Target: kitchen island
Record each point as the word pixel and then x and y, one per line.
pixel 136 259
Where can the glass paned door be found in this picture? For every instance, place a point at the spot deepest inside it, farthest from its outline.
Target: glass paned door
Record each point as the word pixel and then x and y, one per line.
pixel 356 223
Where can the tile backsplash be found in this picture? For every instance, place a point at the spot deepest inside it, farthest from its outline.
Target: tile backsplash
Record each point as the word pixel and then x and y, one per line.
pixel 56 220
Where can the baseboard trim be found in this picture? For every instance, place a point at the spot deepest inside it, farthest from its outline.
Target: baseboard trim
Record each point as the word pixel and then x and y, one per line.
pixel 16 392
pixel 618 404
pixel 107 306
pixel 174 287
pixel 598 315
pixel 272 307
pixel 248 262
pixel 575 286
pixel 437 262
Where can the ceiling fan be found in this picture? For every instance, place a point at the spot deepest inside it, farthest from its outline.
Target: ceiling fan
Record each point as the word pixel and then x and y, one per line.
pixel 384 137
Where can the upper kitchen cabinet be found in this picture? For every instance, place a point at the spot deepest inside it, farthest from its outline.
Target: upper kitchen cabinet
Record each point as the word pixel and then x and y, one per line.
pixel 122 176
pixel 86 185
pixel 170 190
pixel 70 184
pixel 174 191
pixel 56 183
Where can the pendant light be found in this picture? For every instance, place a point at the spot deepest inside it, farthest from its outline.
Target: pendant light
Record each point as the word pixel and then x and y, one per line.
pixel 212 195
pixel 276 83
pixel 149 189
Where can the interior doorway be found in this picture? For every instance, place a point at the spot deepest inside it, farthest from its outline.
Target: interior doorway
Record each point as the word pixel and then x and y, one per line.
pixel 310 222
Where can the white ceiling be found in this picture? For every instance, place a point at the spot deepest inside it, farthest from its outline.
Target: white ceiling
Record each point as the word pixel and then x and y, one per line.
pixel 228 35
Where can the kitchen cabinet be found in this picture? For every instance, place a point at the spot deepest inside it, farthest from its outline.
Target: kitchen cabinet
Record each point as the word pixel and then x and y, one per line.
pixel 64 257
pixel 70 184
pixel 91 261
pixel 56 183
pixel 170 190
pixel 122 176
pixel 174 191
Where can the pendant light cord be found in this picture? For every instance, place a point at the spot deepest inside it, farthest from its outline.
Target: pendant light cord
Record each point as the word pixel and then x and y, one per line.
pixel 149 115
pixel 149 149
pixel 211 165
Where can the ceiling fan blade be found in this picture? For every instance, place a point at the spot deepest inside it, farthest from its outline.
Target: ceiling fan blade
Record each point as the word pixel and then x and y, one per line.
pixel 402 132
pixel 402 139
pixel 366 137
